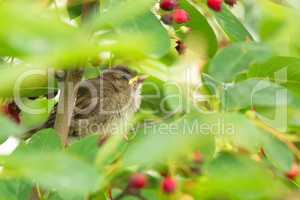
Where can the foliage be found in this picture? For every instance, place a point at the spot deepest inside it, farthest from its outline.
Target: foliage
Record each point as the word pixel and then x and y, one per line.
pixel 232 93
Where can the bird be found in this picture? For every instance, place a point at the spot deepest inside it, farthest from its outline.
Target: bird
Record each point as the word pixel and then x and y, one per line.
pixel 104 104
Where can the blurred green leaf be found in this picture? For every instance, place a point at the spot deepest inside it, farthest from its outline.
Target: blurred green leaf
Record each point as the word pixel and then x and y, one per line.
pixel 29 35
pixel 290 3
pixel 235 171
pixel 159 142
pixel 9 128
pixel 235 59
pixel 178 97
pixel 74 8
pixel 254 93
pixel 29 38
pixel 147 25
pixel 282 70
pixel 85 148
pixel 117 12
pixel 54 196
pixel 243 133
pixel 54 171
pixel 44 141
pixel 23 81
pixel 41 108
pixel 14 190
pixel 232 26
pixel 278 153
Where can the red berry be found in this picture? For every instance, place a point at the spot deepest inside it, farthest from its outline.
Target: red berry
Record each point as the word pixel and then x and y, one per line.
pixel 169 185
pixel 198 157
pixel 180 16
pixel 12 111
pixel 167 19
pixel 216 5
pixel 231 2
pixel 168 4
pixel 293 173
pixel 180 47
pixel 138 181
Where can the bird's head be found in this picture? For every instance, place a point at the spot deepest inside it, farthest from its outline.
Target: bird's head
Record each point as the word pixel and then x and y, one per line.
pixel 123 78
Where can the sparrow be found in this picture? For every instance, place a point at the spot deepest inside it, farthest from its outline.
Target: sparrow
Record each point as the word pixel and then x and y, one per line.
pixel 104 104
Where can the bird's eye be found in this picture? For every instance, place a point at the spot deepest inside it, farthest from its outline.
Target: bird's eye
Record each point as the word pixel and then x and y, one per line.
pixel 125 77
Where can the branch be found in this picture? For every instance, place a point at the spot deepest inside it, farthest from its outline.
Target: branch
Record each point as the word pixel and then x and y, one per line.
pixel 69 88
pixel 66 103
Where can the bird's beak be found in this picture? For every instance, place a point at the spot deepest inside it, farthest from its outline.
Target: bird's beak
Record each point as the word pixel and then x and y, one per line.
pixel 138 79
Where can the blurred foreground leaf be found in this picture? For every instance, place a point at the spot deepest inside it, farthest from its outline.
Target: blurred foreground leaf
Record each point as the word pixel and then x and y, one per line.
pixel 282 70
pixel 9 128
pixel 149 26
pixel 159 142
pixel 43 141
pixel 14 190
pixel 116 12
pixel 42 160
pixel 235 59
pixel 57 171
pixel 19 81
pixel 85 148
pixel 246 178
pixel 278 153
pixel 232 26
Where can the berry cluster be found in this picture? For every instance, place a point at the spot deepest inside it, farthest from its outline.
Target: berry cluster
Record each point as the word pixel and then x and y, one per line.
pixel 216 5
pixel 177 15
pixel 139 181
pixel 174 14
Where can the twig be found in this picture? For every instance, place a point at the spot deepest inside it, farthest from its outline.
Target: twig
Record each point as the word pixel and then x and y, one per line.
pixel 69 88
pixel 66 103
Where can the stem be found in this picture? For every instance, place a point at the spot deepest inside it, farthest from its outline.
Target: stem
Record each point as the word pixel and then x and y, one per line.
pixel 66 103
pixel 69 89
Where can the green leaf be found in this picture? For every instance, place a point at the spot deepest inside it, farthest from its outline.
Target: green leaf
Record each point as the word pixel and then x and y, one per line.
pixel 85 148
pixel 289 3
pixel 278 153
pixel 9 128
pixel 201 32
pixel 247 180
pixel 117 12
pixel 23 81
pixel 149 26
pixel 244 133
pixel 28 37
pixel 234 128
pixel 38 113
pixel 282 70
pixel 157 142
pixel 14 190
pixel 55 170
pixel 254 93
pixel 232 26
pixel 232 60
pixel 44 141
pixel 74 8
